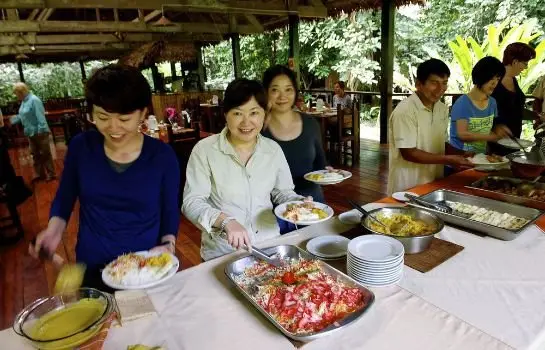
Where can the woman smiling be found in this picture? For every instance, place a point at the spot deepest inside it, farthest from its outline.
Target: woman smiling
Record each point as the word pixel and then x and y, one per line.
pixel 233 178
pixel 127 183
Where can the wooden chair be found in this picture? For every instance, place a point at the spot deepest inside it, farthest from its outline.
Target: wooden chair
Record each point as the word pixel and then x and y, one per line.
pixel 345 129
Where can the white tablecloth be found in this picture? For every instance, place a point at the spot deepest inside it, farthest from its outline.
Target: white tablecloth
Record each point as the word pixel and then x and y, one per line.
pixel 497 286
pixel 489 296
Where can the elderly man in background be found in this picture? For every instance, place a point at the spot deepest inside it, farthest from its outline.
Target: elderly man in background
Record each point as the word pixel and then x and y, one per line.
pixel 32 116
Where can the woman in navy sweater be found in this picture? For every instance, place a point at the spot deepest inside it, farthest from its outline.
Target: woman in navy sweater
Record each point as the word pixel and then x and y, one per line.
pixel 127 183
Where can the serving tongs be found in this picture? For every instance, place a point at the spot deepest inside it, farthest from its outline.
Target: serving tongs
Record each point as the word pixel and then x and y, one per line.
pixel 260 254
pixel 439 207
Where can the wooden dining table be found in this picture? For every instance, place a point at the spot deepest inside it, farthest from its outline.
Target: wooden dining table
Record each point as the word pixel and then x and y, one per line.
pixel 323 118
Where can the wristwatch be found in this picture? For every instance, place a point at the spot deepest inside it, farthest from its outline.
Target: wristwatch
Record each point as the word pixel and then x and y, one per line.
pixel 225 222
pixel 170 242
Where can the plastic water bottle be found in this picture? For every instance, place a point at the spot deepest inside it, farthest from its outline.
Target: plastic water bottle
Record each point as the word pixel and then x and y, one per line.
pixel 152 122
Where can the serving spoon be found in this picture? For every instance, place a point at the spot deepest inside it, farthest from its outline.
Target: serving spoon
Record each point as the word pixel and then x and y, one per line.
pixel 70 275
pixel 366 213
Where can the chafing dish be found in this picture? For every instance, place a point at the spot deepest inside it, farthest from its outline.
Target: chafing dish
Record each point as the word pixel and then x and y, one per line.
pixel 478 187
pixel 441 196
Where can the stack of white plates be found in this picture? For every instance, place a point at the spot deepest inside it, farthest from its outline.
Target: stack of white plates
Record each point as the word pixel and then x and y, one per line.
pixel 375 260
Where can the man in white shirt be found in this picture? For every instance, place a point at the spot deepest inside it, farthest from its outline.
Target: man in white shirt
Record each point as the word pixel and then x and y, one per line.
pixel 417 132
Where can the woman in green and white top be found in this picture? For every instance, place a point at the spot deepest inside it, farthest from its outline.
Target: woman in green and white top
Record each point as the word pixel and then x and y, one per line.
pixel 233 178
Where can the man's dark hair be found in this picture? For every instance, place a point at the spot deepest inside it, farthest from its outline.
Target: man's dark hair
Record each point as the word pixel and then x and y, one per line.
pixel 487 69
pixel 274 71
pixel 429 67
pixel 518 51
pixel 240 91
pixel 342 85
pixel 118 89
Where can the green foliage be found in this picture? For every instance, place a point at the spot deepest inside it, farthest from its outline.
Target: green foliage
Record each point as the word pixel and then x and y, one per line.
pixel 467 51
pixel 48 80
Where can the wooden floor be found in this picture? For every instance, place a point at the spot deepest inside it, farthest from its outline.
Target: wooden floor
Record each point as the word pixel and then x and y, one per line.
pixel 23 279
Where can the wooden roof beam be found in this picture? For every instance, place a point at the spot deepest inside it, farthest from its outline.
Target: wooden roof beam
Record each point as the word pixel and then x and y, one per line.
pixel 27 49
pixel 148 17
pixel 59 39
pixel 109 26
pixel 45 14
pixel 33 15
pixel 270 8
pixel 255 22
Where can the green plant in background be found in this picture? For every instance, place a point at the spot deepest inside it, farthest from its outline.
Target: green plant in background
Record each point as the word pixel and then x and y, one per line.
pixel 369 112
pixel 467 51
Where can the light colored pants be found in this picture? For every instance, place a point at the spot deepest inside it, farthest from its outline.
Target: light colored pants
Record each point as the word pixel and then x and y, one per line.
pixel 41 152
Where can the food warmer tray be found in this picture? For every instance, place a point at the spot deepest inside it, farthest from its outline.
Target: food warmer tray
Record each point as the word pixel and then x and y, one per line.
pixel 476 187
pixel 440 196
pixel 290 251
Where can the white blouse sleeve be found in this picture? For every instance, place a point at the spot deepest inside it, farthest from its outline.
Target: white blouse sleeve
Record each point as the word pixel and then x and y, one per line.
pixel 198 186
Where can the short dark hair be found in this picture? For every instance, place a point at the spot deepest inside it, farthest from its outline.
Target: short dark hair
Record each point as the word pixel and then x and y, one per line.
pixel 429 67
pixel 118 89
pixel 240 91
pixel 274 71
pixel 487 69
pixel 341 83
pixel 518 51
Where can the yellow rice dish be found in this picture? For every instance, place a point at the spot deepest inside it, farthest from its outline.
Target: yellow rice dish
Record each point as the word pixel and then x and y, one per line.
pixel 401 225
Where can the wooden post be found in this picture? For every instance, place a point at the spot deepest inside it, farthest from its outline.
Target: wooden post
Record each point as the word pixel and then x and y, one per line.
pixel 387 66
pixel 235 44
pixel 157 81
pixel 82 67
pixel 173 71
pixel 20 68
pixel 200 66
pixel 295 46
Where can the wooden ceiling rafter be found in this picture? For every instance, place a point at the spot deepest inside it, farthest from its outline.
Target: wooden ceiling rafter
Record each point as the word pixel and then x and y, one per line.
pixel 273 7
pixel 122 23
pixel 110 26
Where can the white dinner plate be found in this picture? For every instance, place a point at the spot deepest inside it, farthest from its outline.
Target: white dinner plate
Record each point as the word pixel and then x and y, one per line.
pixel 280 209
pixel 379 284
pixel 400 196
pixel 374 266
pixel 353 217
pixel 373 272
pixel 507 142
pixel 376 279
pixel 329 247
pixel 484 162
pixel 345 175
pixel 376 248
pixel 107 279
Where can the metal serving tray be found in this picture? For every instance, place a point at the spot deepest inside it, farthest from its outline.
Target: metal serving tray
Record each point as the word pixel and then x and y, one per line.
pixel 476 187
pixel 238 266
pixel 440 196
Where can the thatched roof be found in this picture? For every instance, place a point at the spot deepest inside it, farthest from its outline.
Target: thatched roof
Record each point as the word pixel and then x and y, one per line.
pixel 334 7
pixel 70 30
pixel 160 51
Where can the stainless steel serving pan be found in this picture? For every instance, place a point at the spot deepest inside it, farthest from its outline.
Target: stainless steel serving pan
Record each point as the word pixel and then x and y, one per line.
pixel 440 196
pixel 476 187
pixel 412 244
pixel 238 266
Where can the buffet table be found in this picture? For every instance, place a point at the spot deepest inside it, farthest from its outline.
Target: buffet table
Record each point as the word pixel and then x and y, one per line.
pixel 488 296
